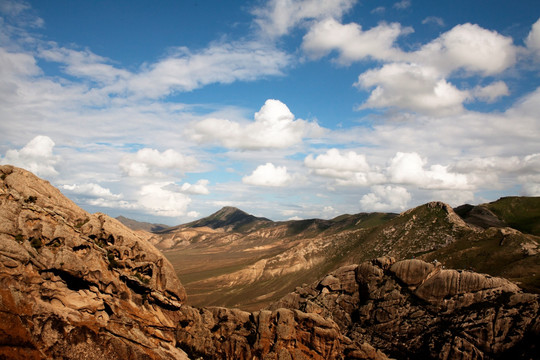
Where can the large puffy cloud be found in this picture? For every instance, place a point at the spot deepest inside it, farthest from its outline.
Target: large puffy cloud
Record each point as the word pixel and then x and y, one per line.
pixel 411 86
pixel 386 198
pixel 418 80
pixel 158 199
pixel 469 47
pixel 36 156
pixel 274 127
pixel 268 175
pixel 348 168
pixel 146 162
pixel 408 168
pixel 351 41
pixel 278 17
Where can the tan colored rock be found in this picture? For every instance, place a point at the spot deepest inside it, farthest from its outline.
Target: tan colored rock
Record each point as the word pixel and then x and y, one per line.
pixel 414 309
pixel 75 285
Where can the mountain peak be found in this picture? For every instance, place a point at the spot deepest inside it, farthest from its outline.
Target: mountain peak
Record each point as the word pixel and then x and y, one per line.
pixel 231 219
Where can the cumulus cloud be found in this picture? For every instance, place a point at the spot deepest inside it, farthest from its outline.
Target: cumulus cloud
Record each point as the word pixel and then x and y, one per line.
pixel 199 188
pixel 155 198
pixel 91 189
pixel 408 168
pixel 278 17
pixel 491 92
pixel 268 175
pixel 533 39
pixel 469 47
pixel 146 162
pixel 418 80
pixel 351 41
pixel 348 168
pixel 36 156
pixel 385 198
pixel 413 87
pixel 274 127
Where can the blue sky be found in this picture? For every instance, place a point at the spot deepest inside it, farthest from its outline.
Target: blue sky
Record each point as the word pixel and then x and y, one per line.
pixel 287 109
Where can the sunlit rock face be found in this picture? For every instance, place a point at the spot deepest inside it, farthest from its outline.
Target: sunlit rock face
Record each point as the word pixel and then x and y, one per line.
pixel 75 285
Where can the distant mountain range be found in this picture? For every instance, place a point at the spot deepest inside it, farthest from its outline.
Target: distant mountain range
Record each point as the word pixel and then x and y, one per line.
pixel 236 259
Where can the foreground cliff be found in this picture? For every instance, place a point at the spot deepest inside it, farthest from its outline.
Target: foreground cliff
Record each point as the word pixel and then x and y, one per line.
pixel 80 286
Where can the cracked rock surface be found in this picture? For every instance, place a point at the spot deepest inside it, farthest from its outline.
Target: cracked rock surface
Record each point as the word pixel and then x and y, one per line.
pixel 79 286
pixel 412 309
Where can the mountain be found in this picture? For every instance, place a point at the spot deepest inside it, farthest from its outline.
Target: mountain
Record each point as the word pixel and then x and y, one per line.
pixel 138 225
pixel 229 219
pixel 75 285
pixel 251 269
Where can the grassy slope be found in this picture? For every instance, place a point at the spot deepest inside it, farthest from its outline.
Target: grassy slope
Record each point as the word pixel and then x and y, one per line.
pixel 520 213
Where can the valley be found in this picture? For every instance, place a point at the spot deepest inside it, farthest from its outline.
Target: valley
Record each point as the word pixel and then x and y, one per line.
pixel 235 259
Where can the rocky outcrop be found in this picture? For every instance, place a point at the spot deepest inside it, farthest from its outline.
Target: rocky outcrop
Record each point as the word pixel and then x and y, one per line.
pixel 78 286
pixel 413 309
pixel 220 333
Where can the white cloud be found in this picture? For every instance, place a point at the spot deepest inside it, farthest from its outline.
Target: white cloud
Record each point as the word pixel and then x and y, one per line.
pixel 469 47
pixel 413 87
pixel 348 168
pixel 199 188
pixel 36 156
pixel 91 189
pixel 386 198
pixel 15 64
pixel 278 17
pixel 418 80
pixel 378 10
pixel 433 20
pixel 156 199
pixel 222 63
pixel 408 168
pixel 491 92
pixel 268 175
pixel 403 4
pixel 351 41
pixel 274 127
pixel 84 64
pixel 146 162
pixel 533 39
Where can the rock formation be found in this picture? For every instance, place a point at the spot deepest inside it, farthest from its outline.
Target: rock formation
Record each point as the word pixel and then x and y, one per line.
pixel 80 286
pixel 413 309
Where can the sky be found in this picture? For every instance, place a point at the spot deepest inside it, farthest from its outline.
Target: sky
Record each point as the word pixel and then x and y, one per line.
pixel 288 109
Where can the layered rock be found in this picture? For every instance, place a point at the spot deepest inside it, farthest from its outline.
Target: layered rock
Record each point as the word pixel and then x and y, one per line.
pixel 221 333
pixel 78 286
pixel 414 309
